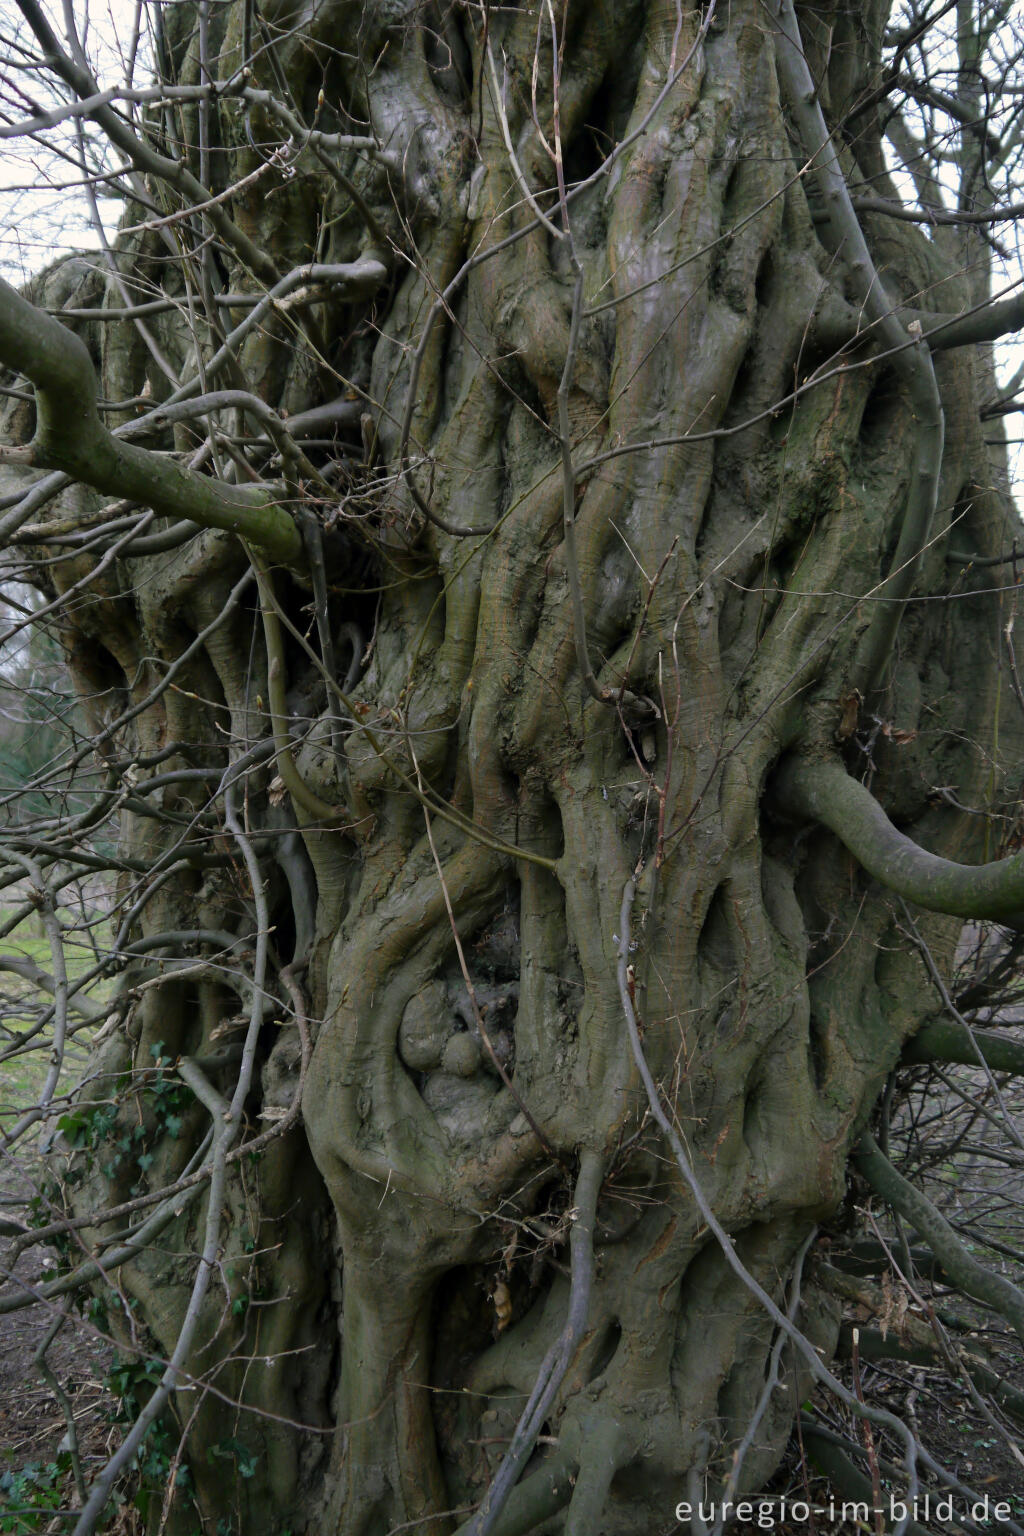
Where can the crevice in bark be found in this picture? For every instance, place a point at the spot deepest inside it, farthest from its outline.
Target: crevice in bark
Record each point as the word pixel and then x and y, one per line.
pixel 604 1350
pixel 717 956
pixel 879 408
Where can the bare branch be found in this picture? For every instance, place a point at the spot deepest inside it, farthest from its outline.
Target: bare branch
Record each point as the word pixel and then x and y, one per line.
pixel 827 793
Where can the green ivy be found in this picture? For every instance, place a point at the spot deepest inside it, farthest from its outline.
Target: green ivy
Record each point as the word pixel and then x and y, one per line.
pixel 88 1128
pixel 29 1495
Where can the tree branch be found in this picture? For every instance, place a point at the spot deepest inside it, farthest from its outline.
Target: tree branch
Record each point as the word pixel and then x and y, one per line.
pixel 987 322
pixel 947 1040
pixel 829 1458
pixel 71 437
pixel 559 1357
pixel 146 160
pixel 825 792
pixel 965 1272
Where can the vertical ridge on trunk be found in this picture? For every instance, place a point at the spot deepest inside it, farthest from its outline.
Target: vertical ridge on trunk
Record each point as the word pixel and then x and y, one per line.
pixel 678 363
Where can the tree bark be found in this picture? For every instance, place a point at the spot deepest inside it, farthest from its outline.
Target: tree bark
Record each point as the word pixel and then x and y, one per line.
pixel 668 590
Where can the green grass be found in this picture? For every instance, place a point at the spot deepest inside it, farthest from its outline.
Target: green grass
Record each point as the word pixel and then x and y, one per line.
pixel 22 1076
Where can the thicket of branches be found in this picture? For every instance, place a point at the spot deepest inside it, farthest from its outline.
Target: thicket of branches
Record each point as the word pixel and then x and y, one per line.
pixel 523 500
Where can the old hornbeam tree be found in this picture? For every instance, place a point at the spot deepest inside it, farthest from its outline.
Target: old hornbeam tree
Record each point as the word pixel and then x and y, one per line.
pixel 523 502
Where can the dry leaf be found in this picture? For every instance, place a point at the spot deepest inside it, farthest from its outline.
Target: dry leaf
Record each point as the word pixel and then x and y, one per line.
pixel 850 704
pixel 502 1298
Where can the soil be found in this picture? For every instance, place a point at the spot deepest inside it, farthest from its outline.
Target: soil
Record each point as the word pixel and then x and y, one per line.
pixel 983 1452
pixel 33 1427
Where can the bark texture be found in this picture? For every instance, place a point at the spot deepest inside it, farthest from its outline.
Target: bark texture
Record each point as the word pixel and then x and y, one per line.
pixel 395 1268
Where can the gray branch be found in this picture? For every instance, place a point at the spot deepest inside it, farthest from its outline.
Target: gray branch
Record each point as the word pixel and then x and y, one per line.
pixel 559 1357
pixel 825 792
pixel 983 1284
pixel 71 437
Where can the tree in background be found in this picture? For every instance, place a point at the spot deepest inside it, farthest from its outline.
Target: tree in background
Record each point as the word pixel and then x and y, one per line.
pixel 525 505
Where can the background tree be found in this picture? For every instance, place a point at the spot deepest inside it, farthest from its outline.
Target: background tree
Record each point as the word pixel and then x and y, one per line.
pixel 522 490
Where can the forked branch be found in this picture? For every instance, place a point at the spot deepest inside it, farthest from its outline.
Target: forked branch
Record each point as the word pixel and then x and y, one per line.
pixel 558 1359
pixel 71 437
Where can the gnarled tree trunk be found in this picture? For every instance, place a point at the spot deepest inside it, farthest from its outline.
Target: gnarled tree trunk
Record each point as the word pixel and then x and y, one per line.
pixel 686 459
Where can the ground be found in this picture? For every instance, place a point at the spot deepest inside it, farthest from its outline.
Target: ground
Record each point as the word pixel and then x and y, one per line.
pixel 32 1424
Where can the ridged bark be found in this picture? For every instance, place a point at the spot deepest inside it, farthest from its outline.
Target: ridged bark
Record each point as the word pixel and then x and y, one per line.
pixel 727 552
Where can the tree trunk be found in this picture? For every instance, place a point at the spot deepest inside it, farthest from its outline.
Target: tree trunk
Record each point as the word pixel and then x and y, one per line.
pixel 627 422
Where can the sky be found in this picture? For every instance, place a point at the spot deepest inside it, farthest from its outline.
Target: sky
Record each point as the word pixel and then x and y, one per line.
pixel 43 212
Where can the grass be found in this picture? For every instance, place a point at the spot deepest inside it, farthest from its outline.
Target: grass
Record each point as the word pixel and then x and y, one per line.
pixel 22 1076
